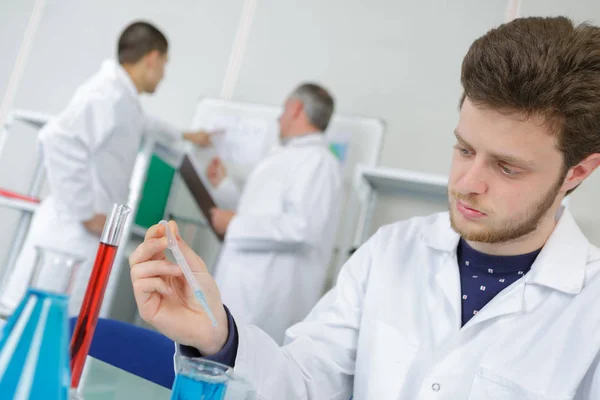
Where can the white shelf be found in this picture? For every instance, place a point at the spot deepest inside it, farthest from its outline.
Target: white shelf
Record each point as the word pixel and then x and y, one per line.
pixel 372 182
pixel 19 205
pixel 35 118
pixel 391 181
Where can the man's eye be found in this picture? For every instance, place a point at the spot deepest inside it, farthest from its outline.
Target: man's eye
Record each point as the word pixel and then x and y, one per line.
pixel 506 170
pixel 462 150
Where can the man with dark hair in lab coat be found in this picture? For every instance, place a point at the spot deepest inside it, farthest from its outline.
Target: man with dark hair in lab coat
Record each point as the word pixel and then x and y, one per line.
pixel 89 150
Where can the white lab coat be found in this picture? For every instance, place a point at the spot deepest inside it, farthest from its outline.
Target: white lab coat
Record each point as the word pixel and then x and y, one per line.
pixel 89 151
pixel 273 266
pixel 391 328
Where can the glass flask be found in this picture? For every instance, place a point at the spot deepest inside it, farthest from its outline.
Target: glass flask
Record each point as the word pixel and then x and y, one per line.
pixel 34 342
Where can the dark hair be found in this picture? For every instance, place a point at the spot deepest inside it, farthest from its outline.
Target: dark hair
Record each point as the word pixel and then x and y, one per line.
pixel 318 104
pixel 541 67
pixel 139 39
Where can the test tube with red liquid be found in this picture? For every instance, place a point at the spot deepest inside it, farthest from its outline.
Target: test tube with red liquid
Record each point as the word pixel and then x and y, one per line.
pixel 94 294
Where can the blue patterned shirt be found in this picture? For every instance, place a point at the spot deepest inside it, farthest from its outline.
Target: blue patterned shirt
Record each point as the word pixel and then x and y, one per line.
pixel 483 276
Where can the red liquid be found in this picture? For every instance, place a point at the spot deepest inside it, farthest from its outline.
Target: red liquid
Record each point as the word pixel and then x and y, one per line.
pixel 90 308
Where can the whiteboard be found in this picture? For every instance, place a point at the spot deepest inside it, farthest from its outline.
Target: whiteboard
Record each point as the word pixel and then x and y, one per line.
pixel 254 128
pixel 250 130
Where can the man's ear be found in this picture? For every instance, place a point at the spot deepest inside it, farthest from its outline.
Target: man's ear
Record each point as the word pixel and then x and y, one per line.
pixel 581 171
pixel 152 58
pixel 296 108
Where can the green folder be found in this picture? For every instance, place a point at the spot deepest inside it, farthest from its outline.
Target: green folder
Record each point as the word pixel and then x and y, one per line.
pixel 155 193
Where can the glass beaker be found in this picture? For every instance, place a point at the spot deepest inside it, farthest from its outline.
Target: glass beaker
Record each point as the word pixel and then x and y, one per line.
pixel 199 379
pixel 34 342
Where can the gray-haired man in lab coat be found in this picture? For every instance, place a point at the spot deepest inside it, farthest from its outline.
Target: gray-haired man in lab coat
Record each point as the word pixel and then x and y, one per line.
pixel 279 240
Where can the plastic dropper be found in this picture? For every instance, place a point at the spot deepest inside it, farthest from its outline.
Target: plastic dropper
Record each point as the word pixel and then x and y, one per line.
pixel 187 272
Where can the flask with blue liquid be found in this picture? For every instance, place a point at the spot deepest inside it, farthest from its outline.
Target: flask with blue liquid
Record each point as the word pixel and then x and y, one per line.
pixel 34 342
pixel 199 379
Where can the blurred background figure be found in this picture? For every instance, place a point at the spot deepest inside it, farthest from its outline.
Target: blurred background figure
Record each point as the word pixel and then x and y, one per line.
pixel 89 151
pixel 278 242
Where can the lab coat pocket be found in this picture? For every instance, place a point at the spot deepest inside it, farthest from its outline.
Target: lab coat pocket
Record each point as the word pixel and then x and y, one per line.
pixel 490 386
pixel 391 356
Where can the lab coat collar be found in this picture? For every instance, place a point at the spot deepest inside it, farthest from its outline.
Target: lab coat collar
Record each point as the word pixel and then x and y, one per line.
pixel 439 234
pixel 560 265
pixel 309 139
pixel 113 68
pixel 562 262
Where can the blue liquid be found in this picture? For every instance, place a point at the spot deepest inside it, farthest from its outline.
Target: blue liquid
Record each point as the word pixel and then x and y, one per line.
pixel 200 297
pixel 34 349
pixel 186 388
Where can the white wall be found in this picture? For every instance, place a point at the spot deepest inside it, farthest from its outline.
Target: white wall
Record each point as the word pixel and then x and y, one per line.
pixel 395 59
pixel 14 16
pixel 74 37
pixel 399 60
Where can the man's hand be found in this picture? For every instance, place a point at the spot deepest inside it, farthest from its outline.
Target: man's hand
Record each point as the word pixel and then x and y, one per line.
pixel 220 219
pixel 96 224
pixel 200 138
pixel 166 300
pixel 216 171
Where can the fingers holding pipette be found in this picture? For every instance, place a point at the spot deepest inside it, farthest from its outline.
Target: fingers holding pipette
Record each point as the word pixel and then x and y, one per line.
pixel 155 244
pixel 166 300
pixel 154 268
pixel 150 280
pixel 155 231
pixel 151 249
pixel 195 262
pixel 149 286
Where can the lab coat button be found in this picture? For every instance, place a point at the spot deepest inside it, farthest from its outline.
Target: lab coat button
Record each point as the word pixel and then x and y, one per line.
pixel 436 387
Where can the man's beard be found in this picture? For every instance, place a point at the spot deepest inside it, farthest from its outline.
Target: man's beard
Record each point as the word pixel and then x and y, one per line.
pixel 505 231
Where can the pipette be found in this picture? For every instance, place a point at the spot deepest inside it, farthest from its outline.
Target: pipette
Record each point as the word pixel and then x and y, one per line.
pixel 187 272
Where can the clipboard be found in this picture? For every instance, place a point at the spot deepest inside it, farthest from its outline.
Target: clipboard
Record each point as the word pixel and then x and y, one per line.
pixel 189 174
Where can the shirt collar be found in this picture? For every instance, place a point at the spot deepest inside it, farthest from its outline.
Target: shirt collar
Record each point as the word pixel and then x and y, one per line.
pixel 113 68
pixel 560 265
pixel 308 139
pixel 562 262
pixel 495 263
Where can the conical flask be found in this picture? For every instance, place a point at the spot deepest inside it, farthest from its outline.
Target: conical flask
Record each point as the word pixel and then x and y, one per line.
pixel 34 342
